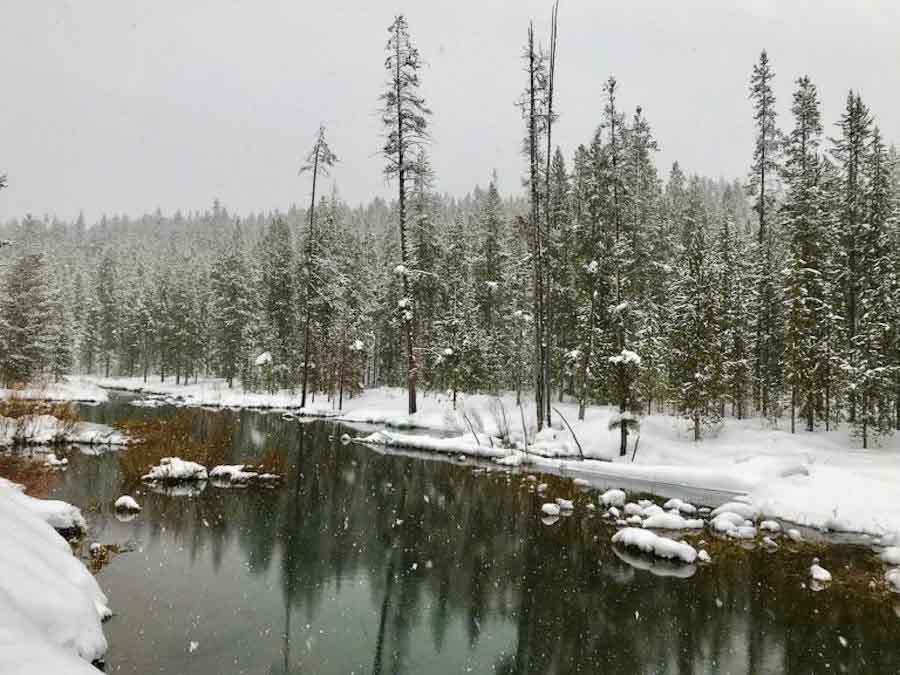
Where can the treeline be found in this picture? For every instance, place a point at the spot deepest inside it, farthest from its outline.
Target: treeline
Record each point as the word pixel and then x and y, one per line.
pixel 778 296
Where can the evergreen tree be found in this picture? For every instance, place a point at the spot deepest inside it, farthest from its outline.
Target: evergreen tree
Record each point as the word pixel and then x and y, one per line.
pixel 763 173
pixel 696 347
pixel 26 317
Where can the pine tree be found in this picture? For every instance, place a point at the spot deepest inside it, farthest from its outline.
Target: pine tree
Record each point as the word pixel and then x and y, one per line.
pixel 232 313
pixel 850 152
pixel 871 363
pixel 25 319
pixel 108 310
pixel 279 297
pixel 404 116
pixel 696 348
pixel 763 173
pixel 319 161
pixel 806 303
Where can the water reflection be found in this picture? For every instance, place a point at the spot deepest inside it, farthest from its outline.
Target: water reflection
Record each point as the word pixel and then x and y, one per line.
pixel 369 563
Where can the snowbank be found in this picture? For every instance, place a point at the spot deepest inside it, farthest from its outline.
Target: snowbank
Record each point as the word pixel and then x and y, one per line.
pixel 71 388
pixel 51 607
pixel 49 430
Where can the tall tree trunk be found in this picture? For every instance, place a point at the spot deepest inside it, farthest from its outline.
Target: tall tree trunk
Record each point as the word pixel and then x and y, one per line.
pixel 306 326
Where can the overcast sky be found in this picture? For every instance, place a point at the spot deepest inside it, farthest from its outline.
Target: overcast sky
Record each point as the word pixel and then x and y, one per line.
pixel 119 106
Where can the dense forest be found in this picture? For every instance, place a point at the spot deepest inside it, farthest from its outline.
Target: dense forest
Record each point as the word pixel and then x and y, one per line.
pixel 606 280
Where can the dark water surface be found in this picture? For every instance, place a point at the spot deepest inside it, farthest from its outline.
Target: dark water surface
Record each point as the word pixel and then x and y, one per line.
pixel 369 563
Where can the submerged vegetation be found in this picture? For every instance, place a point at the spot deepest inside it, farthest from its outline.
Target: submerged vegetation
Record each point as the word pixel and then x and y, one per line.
pixel 204 439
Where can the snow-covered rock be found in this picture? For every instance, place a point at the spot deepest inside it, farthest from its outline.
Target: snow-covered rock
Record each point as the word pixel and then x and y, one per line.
pixel 892 576
pixel 175 470
pixel 127 503
pixel 632 509
pixel 726 521
pixel 770 543
pixel 770 526
pixel 231 473
pixel 649 542
pixel 550 509
pixel 680 506
pixel 891 555
pixel 614 512
pixel 794 535
pixel 634 520
pixel 742 532
pixel 746 511
pixel 703 556
pixel 613 497
pixel 819 573
pixel 56 462
pixel 672 521
pixel 565 504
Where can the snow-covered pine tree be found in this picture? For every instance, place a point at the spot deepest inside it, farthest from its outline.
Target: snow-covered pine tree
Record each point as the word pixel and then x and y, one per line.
pixel 871 358
pixel 424 257
pixel 318 162
pixel 108 306
pixel 231 312
pixel 850 152
pixel 763 173
pixel 806 303
pixel 404 116
pixel 279 293
pixel 695 336
pixel 26 311
pixel 735 283
pixel 561 296
pixel 492 294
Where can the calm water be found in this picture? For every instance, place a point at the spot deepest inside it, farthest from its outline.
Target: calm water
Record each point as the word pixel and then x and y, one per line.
pixel 370 563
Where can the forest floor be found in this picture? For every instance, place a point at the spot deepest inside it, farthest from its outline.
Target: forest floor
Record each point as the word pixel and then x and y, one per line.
pixel 820 479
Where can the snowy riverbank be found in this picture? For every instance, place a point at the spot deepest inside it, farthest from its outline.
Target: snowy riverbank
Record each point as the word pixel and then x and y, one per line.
pixel 48 430
pixel 71 388
pixel 51 607
pixel 819 479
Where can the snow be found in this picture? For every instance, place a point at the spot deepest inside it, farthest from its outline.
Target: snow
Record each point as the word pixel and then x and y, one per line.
pixel 263 359
pixel 672 521
pixel 550 509
pixel 58 515
pixel 53 460
pixel 127 503
pixel 891 555
pixel 49 430
pixel 648 542
pixel 819 573
pixel 625 357
pixel 51 607
pixel 892 576
pixel 770 526
pixel 70 388
pixel 703 556
pixel 613 497
pixel 565 504
pixel 232 473
pixel 174 470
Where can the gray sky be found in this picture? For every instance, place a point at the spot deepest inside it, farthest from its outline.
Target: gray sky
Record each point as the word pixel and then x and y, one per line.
pixel 122 106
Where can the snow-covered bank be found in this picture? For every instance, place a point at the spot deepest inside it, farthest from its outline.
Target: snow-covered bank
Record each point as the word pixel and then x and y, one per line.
pixel 71 388
pixel 819 479
pixel 50 430
pixel 51 607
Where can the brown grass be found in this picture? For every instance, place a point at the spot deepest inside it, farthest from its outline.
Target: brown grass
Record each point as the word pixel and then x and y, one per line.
pixel 273 461
pixel 193 437
pixel 38 479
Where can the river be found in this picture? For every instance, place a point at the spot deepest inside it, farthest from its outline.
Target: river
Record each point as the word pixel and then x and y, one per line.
pixel 365 562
